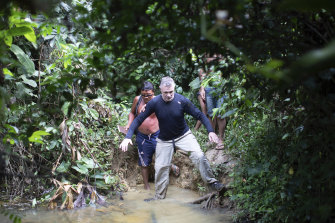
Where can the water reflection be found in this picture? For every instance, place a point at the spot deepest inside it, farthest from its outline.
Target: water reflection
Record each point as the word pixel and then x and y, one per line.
pixel 174 208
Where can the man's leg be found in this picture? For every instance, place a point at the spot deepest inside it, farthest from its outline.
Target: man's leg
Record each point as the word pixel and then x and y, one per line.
pixel 145 175
pixel 188 143
pixel 146 146
pixel 213 122
pixel 222 127
pixel 164 153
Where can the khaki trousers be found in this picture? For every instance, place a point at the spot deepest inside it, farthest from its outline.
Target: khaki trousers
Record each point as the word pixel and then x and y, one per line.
pixel 164 154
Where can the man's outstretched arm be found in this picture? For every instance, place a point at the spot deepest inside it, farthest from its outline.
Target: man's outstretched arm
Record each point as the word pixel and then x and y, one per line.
pixel 196 113
pixel 134 125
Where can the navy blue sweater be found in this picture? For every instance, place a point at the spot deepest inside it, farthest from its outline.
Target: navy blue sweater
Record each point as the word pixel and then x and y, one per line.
pixel 170 116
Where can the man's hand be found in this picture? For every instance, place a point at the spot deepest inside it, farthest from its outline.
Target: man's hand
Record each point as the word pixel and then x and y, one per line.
pixel 124 144
pixel 213 137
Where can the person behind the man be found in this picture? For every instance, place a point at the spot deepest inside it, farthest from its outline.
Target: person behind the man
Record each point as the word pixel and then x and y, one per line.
pixel 209 94
pixel 170 108
pixel 202 100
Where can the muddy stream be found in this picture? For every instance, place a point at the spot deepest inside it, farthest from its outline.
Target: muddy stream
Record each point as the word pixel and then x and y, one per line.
pixel 174 209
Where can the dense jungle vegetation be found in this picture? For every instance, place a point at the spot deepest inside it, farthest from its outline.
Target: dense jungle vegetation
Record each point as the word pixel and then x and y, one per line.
pixel 70 69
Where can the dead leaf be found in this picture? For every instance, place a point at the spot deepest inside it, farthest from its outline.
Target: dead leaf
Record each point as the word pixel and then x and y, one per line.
pixel 79 187
pixel 62 126
pixel 93 197
pixel 67 187
pixel 58 192
pixel 70 200
pixel 52 205
pixel 78 155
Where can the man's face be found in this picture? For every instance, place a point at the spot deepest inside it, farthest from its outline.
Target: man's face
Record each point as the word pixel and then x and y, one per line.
pixel 147 95
pixel 167 93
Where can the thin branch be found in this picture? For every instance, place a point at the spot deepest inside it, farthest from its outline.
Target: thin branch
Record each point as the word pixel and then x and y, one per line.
pixel 317 32
pixel 86 147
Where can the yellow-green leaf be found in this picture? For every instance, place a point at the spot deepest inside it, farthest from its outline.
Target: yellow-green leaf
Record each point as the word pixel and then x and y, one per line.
pixel 19 31
pixel 30 33
pixel 8 40
pixel 31 37
pixel 6 71
pixel 37 136
pixel 23 58
pixel 28 81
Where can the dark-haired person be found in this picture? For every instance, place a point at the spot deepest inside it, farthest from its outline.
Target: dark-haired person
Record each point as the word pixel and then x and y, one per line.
pixel 202 100
pixel 170 109
pixel 146 133
pixel 212 99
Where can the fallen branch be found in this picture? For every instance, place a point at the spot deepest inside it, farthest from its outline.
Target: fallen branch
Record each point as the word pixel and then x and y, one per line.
pixel 56 164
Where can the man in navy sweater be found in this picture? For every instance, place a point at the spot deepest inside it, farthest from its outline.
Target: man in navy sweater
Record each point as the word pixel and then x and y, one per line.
pixel 170 108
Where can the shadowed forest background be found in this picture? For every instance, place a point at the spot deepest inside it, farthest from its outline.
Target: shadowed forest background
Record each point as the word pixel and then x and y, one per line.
pixel 69 71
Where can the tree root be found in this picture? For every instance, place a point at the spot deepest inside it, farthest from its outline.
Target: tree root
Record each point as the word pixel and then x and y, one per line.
pixel 210 201
pixel 201 199
pixel 209 198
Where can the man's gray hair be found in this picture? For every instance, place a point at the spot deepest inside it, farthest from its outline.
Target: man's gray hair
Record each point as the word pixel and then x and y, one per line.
pixel 167 82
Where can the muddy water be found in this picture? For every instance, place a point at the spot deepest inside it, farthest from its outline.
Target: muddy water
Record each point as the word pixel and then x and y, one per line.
pixel 173 209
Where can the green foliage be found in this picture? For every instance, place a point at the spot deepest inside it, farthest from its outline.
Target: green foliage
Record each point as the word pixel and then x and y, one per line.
pixel 37 136
pixel 13 217
pixel 77 68
pixel 24 59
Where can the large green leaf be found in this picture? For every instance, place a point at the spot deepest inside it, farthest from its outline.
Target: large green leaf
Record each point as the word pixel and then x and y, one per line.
pixel 63 167
pixel 110 180
pixel 89 163
pixel 65 107
pixel 98 175
pixel 37 136
pixel 29 82
pixel 30 35
pixel 23 58
pixel 195 84
pixel 12 129
pixel 19 31
pixel 229 113
pixel 81 168
pixel 94 113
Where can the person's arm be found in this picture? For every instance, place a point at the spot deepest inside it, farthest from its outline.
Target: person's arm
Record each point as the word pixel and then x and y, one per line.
pixel 191 109
pixel 202 76
pixel 135 124
pixel 196 113
pixel 131 115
